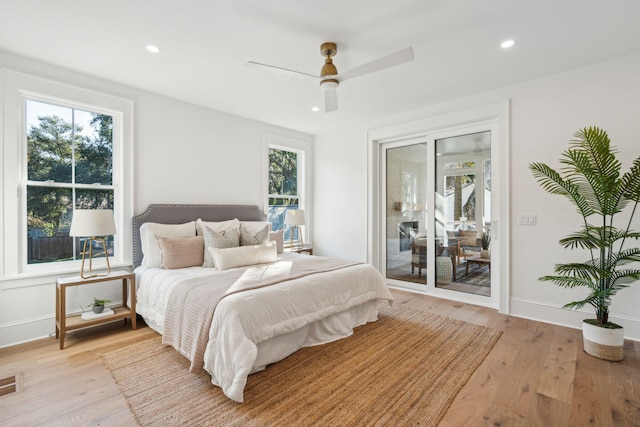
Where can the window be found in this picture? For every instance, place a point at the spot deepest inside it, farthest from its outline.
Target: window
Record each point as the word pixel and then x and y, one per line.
pixel 287 182
pixel 69 165
pixel 283 187
pixel 64 147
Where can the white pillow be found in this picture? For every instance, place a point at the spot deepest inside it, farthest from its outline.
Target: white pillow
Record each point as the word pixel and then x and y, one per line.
pixel 152 255
pixel 243 255
pixel 218 226
pixel 278 238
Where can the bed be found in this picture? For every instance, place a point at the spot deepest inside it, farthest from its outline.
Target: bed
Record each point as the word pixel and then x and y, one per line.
pixel 241 307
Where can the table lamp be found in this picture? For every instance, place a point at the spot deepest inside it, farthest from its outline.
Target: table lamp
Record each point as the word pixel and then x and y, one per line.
pixel 91 223
pixel 295 218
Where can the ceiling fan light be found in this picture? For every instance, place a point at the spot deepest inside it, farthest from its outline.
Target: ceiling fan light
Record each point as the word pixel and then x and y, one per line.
pixel 329 84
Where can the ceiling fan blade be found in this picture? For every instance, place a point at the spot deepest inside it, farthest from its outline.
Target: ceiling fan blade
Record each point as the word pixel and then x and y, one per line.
pixel 281 71
pixel 388 61
pixel 330 101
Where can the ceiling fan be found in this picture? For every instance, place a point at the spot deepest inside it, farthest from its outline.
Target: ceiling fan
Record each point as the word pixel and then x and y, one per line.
pixel 330 79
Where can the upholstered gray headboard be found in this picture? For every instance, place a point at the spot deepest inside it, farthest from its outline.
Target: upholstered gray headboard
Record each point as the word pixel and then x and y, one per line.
pixel 179 214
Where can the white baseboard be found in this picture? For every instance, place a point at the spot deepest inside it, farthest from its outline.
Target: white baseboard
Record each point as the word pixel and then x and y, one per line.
pixel 27 330
pixel 536 310
pixel 32 329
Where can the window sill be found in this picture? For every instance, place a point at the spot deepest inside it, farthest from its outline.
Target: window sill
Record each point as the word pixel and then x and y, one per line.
pixel 23 280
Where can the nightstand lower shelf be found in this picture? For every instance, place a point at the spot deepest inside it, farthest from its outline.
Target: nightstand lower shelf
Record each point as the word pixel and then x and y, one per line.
pixel 77 322
pixel 66 322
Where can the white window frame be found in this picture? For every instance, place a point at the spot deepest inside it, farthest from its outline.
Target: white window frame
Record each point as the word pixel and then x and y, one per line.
pixel 18 88
pixel 304 151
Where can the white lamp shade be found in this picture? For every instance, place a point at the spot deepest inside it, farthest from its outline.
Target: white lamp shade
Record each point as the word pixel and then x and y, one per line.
pixel 294 217
pixel 92 222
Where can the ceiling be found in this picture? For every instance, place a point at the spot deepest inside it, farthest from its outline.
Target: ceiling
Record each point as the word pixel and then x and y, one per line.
pixel 205 44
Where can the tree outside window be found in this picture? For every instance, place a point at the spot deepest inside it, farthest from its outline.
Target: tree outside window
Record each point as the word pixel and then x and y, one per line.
pixel 69 166
pixel 283 187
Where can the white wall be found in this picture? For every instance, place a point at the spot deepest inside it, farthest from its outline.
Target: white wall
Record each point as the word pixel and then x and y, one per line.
pixel 183 154
pixel 189 154
pixel 340 219
pixel 544 115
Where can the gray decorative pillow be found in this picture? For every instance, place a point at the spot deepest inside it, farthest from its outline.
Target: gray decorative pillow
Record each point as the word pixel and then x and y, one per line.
pixel 222 239
pixel 249 238
pixel 216 225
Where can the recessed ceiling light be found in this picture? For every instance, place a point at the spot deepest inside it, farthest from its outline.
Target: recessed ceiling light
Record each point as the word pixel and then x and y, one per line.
pixel 507 44
pixel 315 109
pixel 153 49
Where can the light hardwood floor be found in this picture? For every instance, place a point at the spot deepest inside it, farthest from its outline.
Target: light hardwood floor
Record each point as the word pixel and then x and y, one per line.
pixel 536 375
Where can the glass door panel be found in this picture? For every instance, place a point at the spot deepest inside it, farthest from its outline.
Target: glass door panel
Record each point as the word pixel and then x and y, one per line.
pixel 406 212
pixel 463 200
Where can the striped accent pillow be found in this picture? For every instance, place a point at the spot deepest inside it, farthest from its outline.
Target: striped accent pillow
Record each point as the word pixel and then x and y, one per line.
pixel 181 252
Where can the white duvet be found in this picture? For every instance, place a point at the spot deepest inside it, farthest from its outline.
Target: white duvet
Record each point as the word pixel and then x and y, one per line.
pixel 254 328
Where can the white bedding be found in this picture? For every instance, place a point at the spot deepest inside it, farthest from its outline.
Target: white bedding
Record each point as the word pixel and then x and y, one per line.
pixel 254 328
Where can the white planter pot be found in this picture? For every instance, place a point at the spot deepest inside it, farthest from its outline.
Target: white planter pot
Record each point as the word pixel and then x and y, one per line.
pixel 444 270
pixel 603 343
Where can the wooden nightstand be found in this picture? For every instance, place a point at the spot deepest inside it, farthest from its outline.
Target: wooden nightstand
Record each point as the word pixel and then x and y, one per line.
pixel 66 323
pixel 304 249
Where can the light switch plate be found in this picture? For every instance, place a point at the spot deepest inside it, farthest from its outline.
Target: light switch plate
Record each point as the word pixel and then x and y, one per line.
pixel 527 219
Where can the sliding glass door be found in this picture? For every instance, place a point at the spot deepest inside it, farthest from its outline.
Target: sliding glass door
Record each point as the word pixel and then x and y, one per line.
pixel 463 183
pixel 406 211
pixel 436 192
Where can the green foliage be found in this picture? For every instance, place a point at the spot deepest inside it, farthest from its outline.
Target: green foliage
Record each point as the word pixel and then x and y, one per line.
pixel 283 172
pixel 485 240
pixel 49 149
pixel 590 178
pixel 56 149
pixel 98 302
pixel 94 156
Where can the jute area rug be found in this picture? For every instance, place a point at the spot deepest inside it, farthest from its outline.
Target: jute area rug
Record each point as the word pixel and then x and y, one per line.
pixel 404 369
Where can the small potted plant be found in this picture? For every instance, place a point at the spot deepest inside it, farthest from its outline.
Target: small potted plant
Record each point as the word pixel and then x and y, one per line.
pixel 485 242
pixel 606 201
pixel 98 305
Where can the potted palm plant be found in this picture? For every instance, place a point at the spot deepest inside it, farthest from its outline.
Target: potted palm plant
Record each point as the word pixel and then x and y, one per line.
pixel 485 242
pixel 591 179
